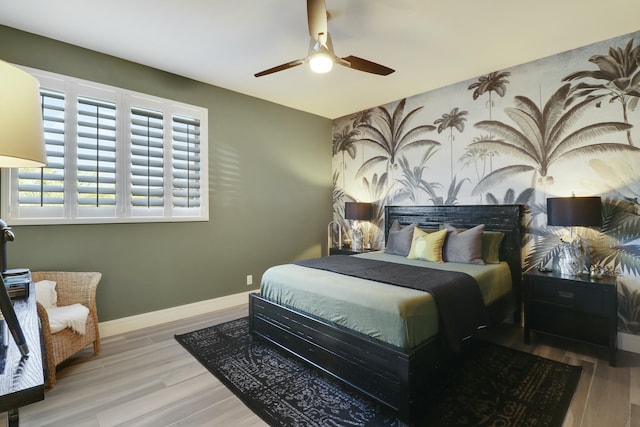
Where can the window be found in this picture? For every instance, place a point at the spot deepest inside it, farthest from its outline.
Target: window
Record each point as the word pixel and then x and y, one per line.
pixel 112 156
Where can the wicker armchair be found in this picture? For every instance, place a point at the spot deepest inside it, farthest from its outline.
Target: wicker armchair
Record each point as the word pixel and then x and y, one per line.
pixel 71 287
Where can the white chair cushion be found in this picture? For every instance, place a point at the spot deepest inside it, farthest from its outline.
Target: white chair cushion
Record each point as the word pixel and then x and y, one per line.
pixel 69 316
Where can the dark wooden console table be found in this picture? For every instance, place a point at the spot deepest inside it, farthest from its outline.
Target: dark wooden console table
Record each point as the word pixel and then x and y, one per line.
pixel 22 378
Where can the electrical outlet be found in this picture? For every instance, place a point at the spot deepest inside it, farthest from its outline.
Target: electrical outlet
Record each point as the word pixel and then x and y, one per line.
pixel 249 279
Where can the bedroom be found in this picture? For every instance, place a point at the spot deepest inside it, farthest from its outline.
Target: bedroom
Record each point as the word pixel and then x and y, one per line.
pixel 245 214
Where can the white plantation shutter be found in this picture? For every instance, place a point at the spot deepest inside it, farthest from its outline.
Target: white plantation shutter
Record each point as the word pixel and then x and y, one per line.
pixel 147 158
pixel 96 153
pixel 45 186
pixel 186 162
pixel 113 155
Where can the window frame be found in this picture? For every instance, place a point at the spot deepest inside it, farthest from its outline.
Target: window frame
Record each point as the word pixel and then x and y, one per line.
pixel 124 210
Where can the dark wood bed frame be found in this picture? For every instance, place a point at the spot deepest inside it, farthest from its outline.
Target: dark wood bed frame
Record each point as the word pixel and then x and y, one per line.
pixel 392 376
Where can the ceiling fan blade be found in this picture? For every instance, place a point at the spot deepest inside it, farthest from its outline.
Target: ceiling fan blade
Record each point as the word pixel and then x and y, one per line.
pixel 317 18
pixel 280 67
pixel 366 66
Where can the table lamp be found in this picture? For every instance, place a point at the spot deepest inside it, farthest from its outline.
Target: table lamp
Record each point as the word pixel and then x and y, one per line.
pixel 573 212
pixel 357 211
pixel 21 145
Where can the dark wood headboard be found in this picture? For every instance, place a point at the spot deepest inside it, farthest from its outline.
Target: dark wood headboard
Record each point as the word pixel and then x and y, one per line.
pixel 505 218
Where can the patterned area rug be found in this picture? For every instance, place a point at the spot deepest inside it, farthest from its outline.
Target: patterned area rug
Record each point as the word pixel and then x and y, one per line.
pixel 494 386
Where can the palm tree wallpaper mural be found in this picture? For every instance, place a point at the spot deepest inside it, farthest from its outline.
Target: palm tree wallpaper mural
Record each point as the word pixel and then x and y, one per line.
pixel 560 126
pixel 493 82
pixel 617 76
pixel 453 120
pixel 389 133
pixel 544 137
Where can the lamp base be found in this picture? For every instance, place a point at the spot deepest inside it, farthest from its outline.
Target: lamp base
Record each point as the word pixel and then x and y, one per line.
pixel 357 237
pixel 571 258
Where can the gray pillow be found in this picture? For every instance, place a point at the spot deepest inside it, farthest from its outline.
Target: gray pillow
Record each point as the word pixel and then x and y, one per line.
pixel 463 246
pixel 399 239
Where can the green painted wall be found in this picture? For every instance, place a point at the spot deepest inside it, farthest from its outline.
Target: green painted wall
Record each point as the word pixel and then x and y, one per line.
pixel 270 194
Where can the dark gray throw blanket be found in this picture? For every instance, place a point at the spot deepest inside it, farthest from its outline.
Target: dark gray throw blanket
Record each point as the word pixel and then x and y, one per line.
pixel 457 295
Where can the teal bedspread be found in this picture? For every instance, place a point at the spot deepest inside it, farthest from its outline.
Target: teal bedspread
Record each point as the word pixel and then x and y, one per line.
pixel 399 316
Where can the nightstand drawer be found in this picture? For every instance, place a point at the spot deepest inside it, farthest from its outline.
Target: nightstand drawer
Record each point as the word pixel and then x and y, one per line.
pixel 567 323
pixel 580 297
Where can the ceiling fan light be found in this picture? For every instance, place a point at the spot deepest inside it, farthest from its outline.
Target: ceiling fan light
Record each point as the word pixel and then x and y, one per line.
pixel 321 62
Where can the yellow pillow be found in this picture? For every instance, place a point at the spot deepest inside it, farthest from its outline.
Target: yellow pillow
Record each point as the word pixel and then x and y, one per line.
pixel 427 246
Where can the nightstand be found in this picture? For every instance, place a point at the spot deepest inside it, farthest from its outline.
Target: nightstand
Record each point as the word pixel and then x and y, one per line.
pixel 345 251
pixel 574 307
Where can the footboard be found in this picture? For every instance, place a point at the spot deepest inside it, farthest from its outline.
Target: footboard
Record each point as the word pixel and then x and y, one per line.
pixel 383 372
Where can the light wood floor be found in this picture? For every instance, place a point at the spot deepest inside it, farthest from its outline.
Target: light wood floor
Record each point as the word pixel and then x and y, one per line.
pixel 145 378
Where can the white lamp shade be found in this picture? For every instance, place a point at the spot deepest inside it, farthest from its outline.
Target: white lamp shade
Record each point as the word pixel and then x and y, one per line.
pixel 321 62
pixel 21 133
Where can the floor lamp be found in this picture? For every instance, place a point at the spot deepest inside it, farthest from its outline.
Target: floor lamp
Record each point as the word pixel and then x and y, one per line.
pixel 21 145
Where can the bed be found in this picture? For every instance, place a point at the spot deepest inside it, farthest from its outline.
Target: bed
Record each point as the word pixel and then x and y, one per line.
pixel 392 369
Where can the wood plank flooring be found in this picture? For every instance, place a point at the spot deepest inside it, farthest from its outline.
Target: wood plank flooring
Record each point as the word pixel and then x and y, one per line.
pixel 145 378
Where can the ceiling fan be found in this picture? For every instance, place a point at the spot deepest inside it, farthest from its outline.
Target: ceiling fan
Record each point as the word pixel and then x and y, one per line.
pixel 321 56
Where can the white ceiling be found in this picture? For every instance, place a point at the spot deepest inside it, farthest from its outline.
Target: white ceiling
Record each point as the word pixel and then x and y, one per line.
pixel 429 43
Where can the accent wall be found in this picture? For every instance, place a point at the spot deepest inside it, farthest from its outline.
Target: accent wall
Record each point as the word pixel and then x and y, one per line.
pixel 556 127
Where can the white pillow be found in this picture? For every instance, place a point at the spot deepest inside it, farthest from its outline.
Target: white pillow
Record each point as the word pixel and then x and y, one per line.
pixel 46 293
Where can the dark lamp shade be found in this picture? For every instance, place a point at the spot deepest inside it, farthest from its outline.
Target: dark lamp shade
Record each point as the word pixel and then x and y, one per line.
pixel 358 211
pixel 574 211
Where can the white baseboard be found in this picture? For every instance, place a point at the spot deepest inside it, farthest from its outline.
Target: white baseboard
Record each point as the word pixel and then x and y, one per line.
pixel 629 342
pixel 145 320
